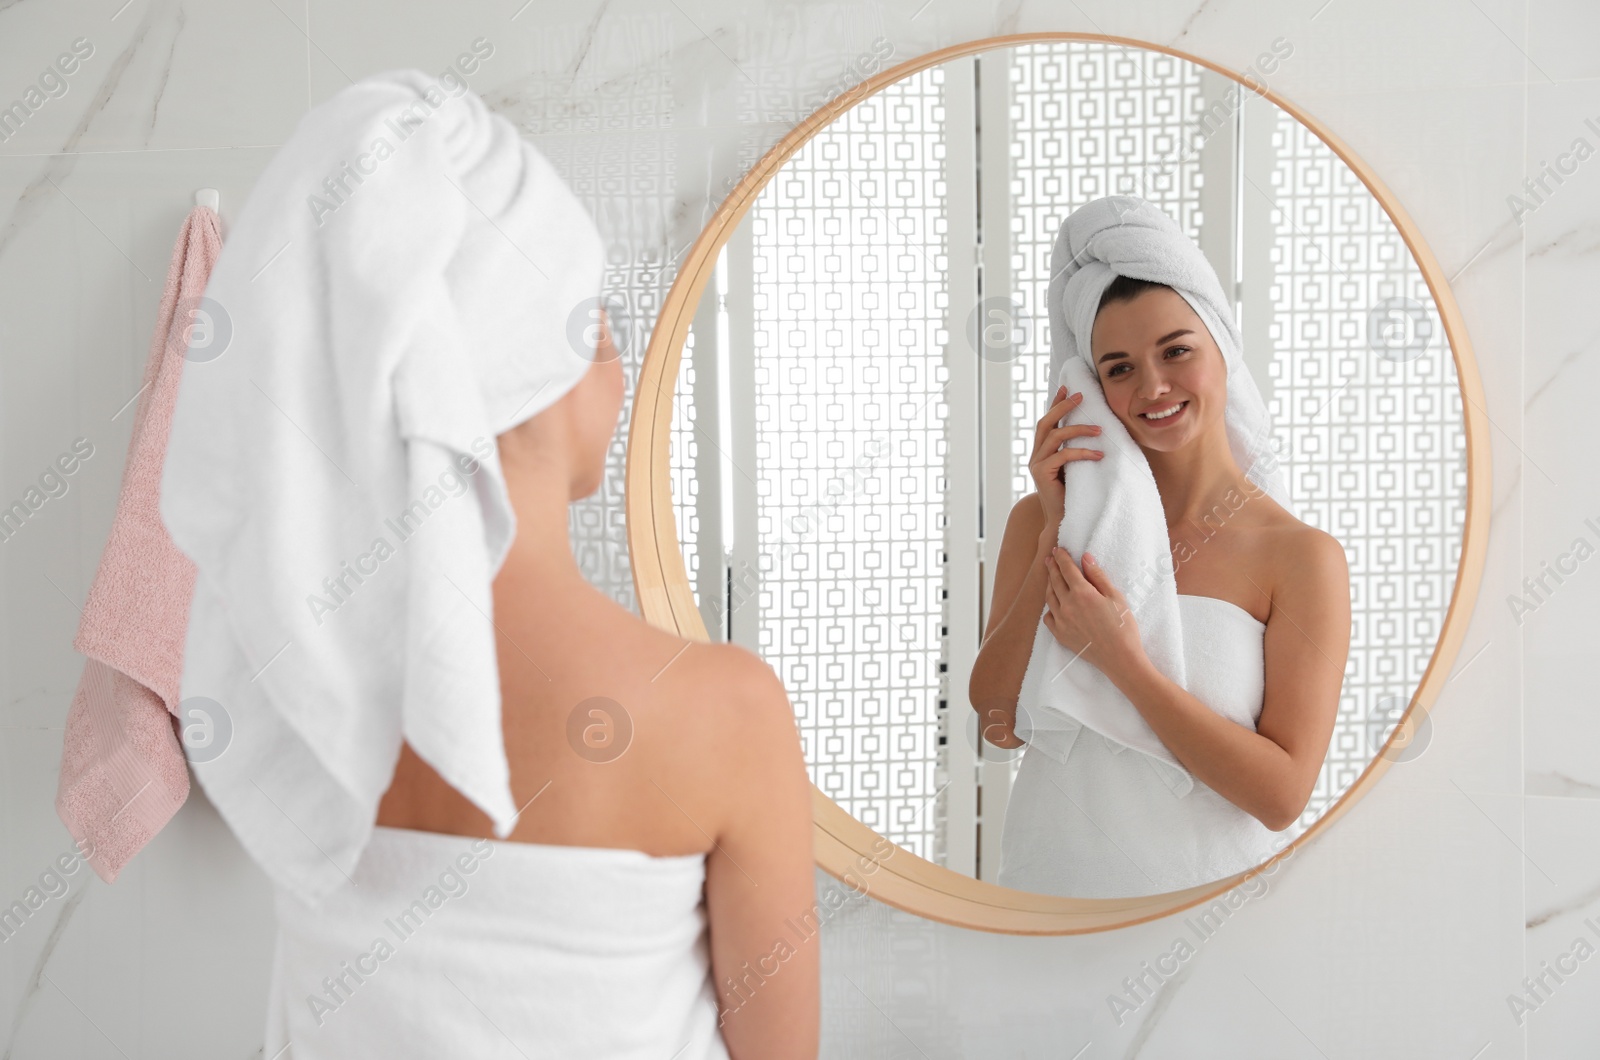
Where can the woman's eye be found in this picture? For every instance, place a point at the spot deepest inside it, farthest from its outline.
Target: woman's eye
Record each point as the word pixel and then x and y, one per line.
pixel 1113 372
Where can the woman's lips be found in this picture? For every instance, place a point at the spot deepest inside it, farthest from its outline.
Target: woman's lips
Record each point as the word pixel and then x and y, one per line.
pixel 1166 420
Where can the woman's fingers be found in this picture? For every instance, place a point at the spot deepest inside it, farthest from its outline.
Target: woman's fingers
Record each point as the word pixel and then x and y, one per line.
pixel 1070 574
pixel 1051 465
pixel 1055 461
pixel 1058 410
pixel 1055 600
pixel 1043 426
pixel 1054 451
pixel 1056 582
pixel 1053 417
pixel 1072 430
pixel 1051 444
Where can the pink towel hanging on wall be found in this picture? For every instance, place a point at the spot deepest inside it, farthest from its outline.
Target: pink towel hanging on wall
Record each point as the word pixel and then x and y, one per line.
pixel 123 770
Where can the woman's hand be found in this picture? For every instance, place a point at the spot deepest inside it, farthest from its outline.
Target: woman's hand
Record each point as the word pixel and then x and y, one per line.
pixel 1088 615
pixel 1050 453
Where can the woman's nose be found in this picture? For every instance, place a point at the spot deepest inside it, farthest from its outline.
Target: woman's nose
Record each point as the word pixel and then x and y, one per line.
pixel 1153 385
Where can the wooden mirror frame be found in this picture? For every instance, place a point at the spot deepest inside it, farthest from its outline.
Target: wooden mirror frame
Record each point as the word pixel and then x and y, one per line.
pixel 847 849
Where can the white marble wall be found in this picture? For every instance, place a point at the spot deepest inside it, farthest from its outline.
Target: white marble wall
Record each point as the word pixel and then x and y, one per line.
pixel 1400 933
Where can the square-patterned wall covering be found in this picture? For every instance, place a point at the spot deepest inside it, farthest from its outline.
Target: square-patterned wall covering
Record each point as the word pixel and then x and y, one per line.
pixel 1406 931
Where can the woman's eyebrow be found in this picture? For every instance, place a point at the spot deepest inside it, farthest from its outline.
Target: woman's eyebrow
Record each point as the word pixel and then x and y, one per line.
pixel 1165 338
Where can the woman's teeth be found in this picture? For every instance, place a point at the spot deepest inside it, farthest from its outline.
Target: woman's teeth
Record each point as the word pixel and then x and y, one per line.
pixel 1173 411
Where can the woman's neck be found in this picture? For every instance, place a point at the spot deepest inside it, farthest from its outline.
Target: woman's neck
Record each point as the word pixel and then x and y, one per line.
pixel 1196 479
pixel 541 554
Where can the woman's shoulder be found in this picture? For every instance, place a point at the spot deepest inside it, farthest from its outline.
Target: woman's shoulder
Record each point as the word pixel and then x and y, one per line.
pixel 1025 522
pixel 1308 563
pixel 731 727
pixel 680 691
pixel 730 688
pixel 699 682
pixel 1299 541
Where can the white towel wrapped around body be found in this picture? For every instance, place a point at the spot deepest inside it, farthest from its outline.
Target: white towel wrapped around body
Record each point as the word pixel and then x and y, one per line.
pixel 1103 824
pixel 1113 507
pixel 450 946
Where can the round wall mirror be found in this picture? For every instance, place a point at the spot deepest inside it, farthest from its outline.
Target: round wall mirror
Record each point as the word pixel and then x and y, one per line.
pixel 837 407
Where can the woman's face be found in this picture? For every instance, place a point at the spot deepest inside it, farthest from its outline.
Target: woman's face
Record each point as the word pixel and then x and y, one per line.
pixel 1153 354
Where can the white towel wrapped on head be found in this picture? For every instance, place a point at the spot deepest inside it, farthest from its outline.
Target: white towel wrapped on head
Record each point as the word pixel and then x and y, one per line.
pixel 400 287
pixel 1113 507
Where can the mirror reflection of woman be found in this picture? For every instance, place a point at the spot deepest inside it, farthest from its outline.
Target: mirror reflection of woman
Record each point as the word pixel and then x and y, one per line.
pixel 1256 583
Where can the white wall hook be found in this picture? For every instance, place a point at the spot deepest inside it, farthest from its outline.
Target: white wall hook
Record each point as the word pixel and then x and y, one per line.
pixel 208 197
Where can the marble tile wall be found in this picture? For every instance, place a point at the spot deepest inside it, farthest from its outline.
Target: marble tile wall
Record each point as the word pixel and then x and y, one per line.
pixel 1402 932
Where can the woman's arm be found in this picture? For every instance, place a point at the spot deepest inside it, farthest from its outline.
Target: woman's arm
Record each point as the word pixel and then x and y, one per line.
pixel 1271 772
pixel 1020 577
pixel 761 875
pixel 1014 609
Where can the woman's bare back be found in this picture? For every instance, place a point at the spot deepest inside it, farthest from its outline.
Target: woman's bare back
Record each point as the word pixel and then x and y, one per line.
pixel 607 724
pixel 619 734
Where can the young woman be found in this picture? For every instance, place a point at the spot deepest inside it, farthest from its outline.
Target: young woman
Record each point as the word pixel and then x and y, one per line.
pixel 500 813
pixel 1256 586
pixel 687 757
